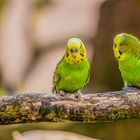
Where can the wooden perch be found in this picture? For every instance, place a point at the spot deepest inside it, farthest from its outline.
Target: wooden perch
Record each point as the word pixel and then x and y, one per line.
pixel 36 107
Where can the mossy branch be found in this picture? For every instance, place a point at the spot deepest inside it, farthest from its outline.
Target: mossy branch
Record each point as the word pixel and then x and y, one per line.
pixel 36 107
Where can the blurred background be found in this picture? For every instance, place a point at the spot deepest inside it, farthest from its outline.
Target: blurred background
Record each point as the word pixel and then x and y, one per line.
pixel 33 36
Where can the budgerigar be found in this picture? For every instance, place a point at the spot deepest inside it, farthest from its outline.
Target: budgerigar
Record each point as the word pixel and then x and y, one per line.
pixel 73 70
pixel 127 52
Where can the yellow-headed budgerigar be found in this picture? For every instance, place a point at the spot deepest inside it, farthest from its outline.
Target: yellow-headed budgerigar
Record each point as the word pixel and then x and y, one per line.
pixel 73 70
pixel 127 52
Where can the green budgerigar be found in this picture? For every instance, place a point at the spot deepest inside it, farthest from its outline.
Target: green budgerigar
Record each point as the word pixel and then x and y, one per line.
pixel 127 52
pixel 73 70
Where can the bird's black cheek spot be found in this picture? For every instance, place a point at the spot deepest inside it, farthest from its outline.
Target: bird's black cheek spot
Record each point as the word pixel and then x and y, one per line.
pixel 77 61
pixel 119 58
pixel 82 54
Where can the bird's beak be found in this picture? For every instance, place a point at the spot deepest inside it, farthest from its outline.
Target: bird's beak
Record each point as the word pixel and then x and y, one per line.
pixel 74 52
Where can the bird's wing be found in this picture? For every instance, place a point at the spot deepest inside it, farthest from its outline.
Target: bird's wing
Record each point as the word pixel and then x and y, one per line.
pixel 88 77
pixel 135 49
pixel 56 76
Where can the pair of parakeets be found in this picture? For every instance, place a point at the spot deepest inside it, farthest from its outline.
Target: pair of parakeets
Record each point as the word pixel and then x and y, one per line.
pixel 73 71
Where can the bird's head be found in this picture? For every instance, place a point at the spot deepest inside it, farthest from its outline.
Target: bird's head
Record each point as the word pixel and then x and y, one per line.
pixel 123 45
pixel 75 51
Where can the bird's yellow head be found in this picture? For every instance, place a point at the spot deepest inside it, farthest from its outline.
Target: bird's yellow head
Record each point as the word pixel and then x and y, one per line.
pixel 75 51
pixel 124 44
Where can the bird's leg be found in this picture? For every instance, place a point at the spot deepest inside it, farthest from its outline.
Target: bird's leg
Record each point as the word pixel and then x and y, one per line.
pixel 53 90
pixel 62 93
pixel 78 94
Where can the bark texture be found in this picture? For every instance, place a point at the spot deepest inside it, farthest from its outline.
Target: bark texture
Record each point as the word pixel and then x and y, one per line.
pixel 36 107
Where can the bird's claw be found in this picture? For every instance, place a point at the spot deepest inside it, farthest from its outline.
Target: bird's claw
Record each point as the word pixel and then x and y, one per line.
pixel 78 94
pixel 127 88
pixel 62 93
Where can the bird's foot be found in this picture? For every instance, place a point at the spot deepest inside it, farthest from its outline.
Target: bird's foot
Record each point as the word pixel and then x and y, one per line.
pixel 127 88
pixel 78 94
pixel 53 90
pixel 62 93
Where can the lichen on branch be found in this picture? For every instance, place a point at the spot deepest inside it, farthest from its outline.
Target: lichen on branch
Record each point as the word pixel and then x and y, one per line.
pixel 37 107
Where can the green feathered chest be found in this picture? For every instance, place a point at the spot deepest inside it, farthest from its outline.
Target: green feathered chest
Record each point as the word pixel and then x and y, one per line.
pixel 72 76
pixel 130 70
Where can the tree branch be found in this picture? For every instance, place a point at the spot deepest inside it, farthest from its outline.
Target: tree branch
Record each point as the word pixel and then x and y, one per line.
pixel 36 107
